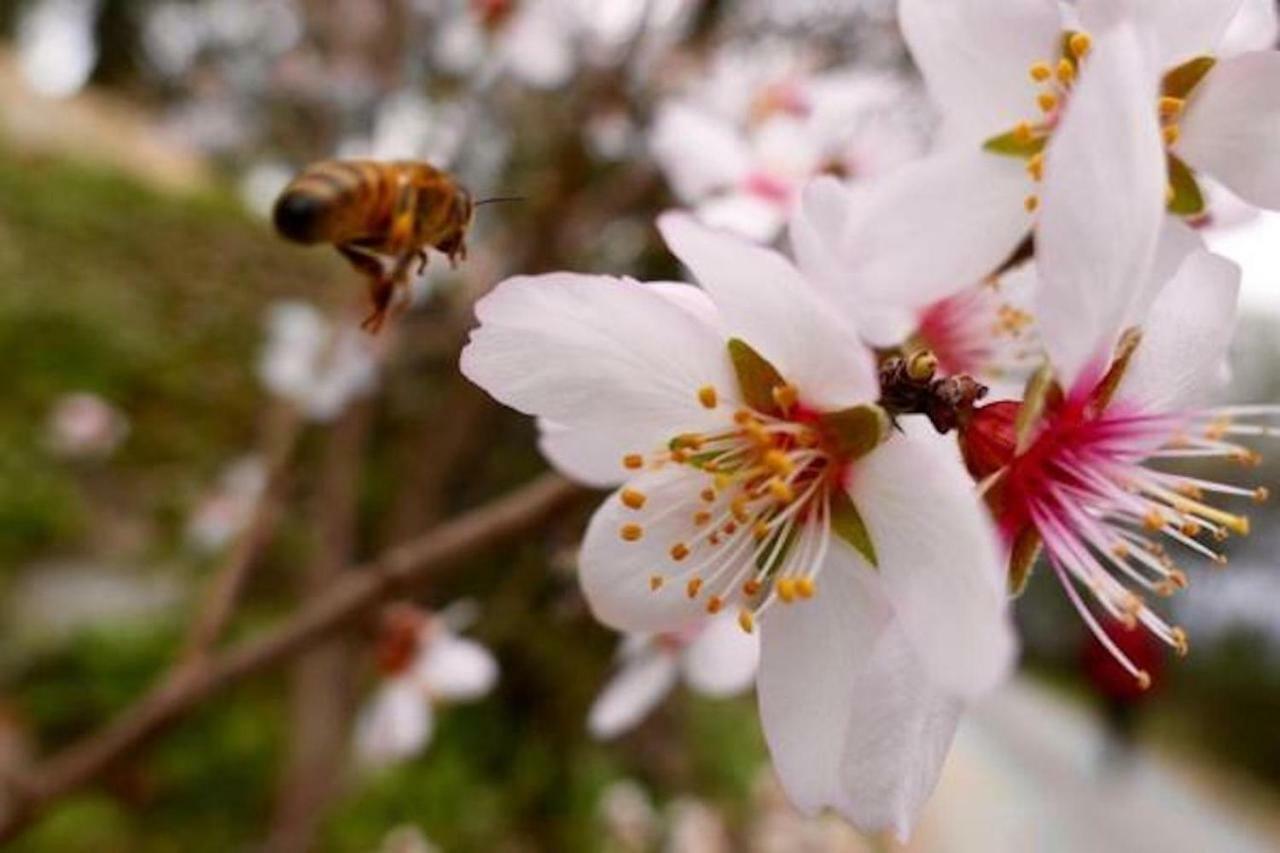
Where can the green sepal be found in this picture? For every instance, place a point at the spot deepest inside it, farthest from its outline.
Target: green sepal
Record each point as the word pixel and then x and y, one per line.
pixel 1180 81
pixel 1034 398
pixel 847 523
pixel 756 377
pixel 1009 145
pixel 1022 559
pixel 1187 198
pixel 855 432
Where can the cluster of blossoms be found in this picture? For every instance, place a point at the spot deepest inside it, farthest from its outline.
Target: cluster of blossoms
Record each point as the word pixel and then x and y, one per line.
pixel 813 446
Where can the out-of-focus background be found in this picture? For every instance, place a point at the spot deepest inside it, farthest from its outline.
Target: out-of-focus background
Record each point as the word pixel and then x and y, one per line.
pixel 172 367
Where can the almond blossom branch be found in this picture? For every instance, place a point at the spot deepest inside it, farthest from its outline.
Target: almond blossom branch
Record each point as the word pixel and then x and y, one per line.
pixel 398 572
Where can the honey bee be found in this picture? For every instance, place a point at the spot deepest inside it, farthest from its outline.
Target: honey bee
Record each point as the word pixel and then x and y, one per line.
pixel 380 216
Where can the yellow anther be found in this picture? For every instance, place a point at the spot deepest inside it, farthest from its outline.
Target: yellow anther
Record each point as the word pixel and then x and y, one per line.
pixel 785 396
pixel 656 582
pixel 631 532
pixel 1171 134
pixel 1178 578
pixel 1040 71
pixel 1220 560
pixel 1171 107
pixel 746 621
pixel 781 491
pixel 722 481
pixel 1190 528
pixel 714 539
pixel 738 506
pixel 1144 679
pixel 1180 641
pixel 1261 495
pixel 692 587
pixel 760 530
pixel 742 417
pixel 1120 550
pixel 633 461
pixel 679 551
pixel 714 603
pixel 808 438
pixel 757 433
pixel 1153 521
pixel 1249 458
pixel 1079 44
pixel 778 462
pixel 750 587
pixel 707 396
pixel 1031 203
pixel 786 590
pixel 1047 101
pixel 701 517
pixel 805 587
pixel 730 528
pixel 1035 167
pixel 633 499
pixel 1023 132
pixel 680 455
pixel 708 494
pixel 921 365
pixel 1066 71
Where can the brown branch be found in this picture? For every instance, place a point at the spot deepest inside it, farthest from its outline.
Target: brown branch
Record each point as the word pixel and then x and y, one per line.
pixel 400 571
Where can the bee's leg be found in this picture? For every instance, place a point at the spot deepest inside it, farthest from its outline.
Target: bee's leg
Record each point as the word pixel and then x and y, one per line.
pixel 421 257
pixel 455 248
pixel 381 286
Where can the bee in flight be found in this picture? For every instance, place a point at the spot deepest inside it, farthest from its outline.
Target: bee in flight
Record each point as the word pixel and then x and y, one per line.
pixel 381 217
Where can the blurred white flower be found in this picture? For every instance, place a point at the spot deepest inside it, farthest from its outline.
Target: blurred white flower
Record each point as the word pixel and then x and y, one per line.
pixel 743 163
pixel 715 658
pixel 57 48
pixel 261 184
pixel 83 425
pixel 695 827
pixel 312 364
pixel 628 816
pixel 424 664
pixel 407 838
pixel 224 512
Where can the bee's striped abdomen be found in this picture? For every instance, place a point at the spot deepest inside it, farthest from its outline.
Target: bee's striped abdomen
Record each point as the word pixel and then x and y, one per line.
pixel 335 201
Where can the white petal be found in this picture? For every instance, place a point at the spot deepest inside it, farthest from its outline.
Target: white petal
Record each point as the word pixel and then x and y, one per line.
pixel 632 693
pixel 590 457
pixel 722 659
pixel 1255 27
pixel 692 299
pixel 536 45
pixel 1179 29
pixel 767 302
pixel 601 354
pixel 455 668
pixel 938 557
pixel 743 213
pixel 1232 126
pixel 900 731
pixel 975 56
pixel 1185 337
pixel 396 724
pixel 812 657
pixel 699 151
pixel 615 574
pixel 935 227
pixel 1103 205
pixel 816 229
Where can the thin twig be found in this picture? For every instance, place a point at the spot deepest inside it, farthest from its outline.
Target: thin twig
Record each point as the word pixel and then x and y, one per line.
pixel 399 572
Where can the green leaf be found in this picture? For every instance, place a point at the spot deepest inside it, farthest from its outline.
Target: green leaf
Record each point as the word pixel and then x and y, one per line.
pixel 1022 559
pixel 1179 81
pixel 855 432
pixel 1187 199
pixel 1011 145
pixel 756 377
pixel 847 523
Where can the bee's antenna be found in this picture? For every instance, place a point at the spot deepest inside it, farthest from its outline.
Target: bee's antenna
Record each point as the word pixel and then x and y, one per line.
pixel 499 198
